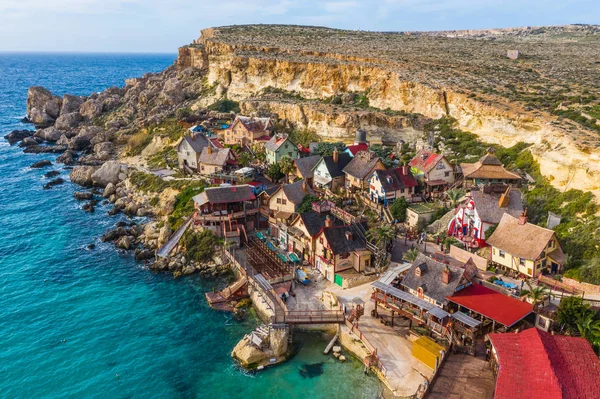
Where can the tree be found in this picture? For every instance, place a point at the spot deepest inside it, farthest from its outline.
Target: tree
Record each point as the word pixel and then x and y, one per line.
pixel 304 137
pixel 384 153
pixel 325 148
pixel 569 311
pixel 274 172
pixel 287 166
pixel 381 235
pixel 490 231
pixel 588 327
pixel 398 209
pixel 244 159
pixel 200 247
pixel 306 205
pixel 410 255
pixel 454 195
pixel 537 294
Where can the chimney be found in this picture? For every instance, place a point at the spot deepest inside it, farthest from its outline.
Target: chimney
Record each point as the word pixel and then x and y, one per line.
pixel 328 221
pixel 209 150
pixel 523 217
pixel 335 155
pixel 349 235
pixel 446 275
pixel 504 199
pixel 418 271
pixel 405 170
pixel 304 186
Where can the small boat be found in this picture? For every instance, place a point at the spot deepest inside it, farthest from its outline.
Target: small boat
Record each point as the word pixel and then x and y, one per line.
pixel 302 275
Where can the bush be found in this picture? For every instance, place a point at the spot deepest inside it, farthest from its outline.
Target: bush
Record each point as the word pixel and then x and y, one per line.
pixel 398 209
pixel 137 142
pixel 184 205
pixel 326 148
pixel 225 106
pixel 274 172
pixel 200 247
pixel 306 205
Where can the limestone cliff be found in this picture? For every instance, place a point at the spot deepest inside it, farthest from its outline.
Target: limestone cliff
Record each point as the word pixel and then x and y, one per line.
pixel 318 63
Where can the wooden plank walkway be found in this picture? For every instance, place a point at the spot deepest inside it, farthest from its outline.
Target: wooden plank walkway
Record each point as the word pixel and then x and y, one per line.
pixel 463 376
pixel 166 249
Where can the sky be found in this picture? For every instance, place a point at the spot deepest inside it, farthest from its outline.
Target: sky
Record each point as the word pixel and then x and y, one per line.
pixel 162 26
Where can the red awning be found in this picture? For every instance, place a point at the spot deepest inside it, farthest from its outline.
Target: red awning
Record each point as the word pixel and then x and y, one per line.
pixel 451 227
pixel 491 304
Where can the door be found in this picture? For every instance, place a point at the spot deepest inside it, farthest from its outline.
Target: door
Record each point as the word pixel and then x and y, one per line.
pixel 339 280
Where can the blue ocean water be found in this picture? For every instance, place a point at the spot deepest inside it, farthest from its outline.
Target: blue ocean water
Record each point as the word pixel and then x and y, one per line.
pixel 79 323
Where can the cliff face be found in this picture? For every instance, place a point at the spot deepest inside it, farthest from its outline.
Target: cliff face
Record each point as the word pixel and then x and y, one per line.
pixel 246 65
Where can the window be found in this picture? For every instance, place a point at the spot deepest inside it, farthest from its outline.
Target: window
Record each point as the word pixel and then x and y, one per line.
pixel 290 154
pixel 502 253
pixel 530 272
pixel 367 262
pixel 187 153
pixel 321 240
pixel 283 202
pixel 521 261
pixel 279 200
pixel 440 166
pixel 446 174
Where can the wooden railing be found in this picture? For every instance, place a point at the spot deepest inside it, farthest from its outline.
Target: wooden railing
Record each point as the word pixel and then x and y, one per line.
pixel 314 316
pixel 557 285
pixel 368 345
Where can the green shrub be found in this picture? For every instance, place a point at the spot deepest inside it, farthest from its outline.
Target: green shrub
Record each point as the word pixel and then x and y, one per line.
pixel 200 247
pixel 225 106
pixel 398 209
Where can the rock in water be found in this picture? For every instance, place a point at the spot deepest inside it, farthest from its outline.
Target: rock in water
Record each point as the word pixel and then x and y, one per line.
pixel 52 173
pixel 109 190
pixel 83 195
pixel 82 175
pixel 41 164
pixel 53 183
pixel 68 121
pixel 17 135
pixel 125 242
pixel 27 141
pixel 67 157
pixel 44 149
pixel 89 207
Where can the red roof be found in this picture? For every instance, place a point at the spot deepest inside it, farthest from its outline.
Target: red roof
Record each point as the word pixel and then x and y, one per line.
pixel 216 143
pixel 535 364
pixel 425 160
pixel 493 305
pixel 358 147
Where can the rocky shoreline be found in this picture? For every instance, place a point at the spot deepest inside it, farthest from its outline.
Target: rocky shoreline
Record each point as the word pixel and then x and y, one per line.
pixel 88 139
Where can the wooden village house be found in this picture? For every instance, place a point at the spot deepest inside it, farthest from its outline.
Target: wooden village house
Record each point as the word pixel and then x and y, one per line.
pixel 189 149
pixel 433 170
pixel 525 248
pixel 488 170
pixel 305 167
pixel 246 130
pixel 328 172
pixel 215 160
pixel 360 168
pixel 387 185
pixel 280 146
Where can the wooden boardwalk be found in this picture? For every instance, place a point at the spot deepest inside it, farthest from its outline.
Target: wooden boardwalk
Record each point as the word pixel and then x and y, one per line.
pixel 463 376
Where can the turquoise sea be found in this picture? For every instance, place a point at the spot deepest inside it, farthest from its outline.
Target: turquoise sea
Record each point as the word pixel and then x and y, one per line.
pixel 79 323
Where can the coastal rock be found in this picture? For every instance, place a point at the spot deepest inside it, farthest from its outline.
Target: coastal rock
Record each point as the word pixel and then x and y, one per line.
pixel 42 107
pixel 52 173
pixel 187 270
pixel 125 242
pixel 164 234
pixel 166 201
pixel 143 212
pixel 49 134
pixel 68 121
pixel 27 141
pixel 83 195
pixel 131 209
pixel 89 207
pixel 17 135
pixel 246 353
pixel 67 157
pixel 109 190
pixel 53 183
pixel 114 211
pixel 44 149
pixel 63 140
pixel 109 173
pixel 82 175
pixel 71 104
pixel 172 93
pixel 103 150
pixel 41 164
pixel 143 254
pixel 91 108
pixel 80 142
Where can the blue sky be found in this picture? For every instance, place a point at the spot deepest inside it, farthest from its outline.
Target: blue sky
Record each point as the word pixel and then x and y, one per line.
pixel 162 26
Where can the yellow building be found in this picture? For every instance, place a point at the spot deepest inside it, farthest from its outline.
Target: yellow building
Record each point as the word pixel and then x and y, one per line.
pixel 525 248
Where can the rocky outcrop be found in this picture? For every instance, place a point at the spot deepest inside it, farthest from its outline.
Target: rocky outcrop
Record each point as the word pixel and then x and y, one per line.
pixel 91 109
pixel 53 183
pixel 82 175
pixel 71 104
pixel 110 172
pixel 68 121
pixel 49 134
pixel 68 158
pixel 17 135
pixel 42 107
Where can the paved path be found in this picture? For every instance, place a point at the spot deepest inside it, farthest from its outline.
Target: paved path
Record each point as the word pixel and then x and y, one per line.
pixel 404 373
pixel 463 376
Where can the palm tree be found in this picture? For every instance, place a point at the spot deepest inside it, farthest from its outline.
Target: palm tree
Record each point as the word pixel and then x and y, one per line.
pixel 287 166
pixel 411 255
pixel 454 195
pixel 381 235
pixel 537 294
pixel 589 327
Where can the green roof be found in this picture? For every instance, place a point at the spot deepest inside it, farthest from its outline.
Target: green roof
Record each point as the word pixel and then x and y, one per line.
pixel 421 208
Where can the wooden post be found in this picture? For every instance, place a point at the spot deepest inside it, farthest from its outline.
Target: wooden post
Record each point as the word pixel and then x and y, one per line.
pixel 392 317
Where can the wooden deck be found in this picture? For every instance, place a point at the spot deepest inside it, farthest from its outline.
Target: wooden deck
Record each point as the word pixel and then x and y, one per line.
pixel 463 376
